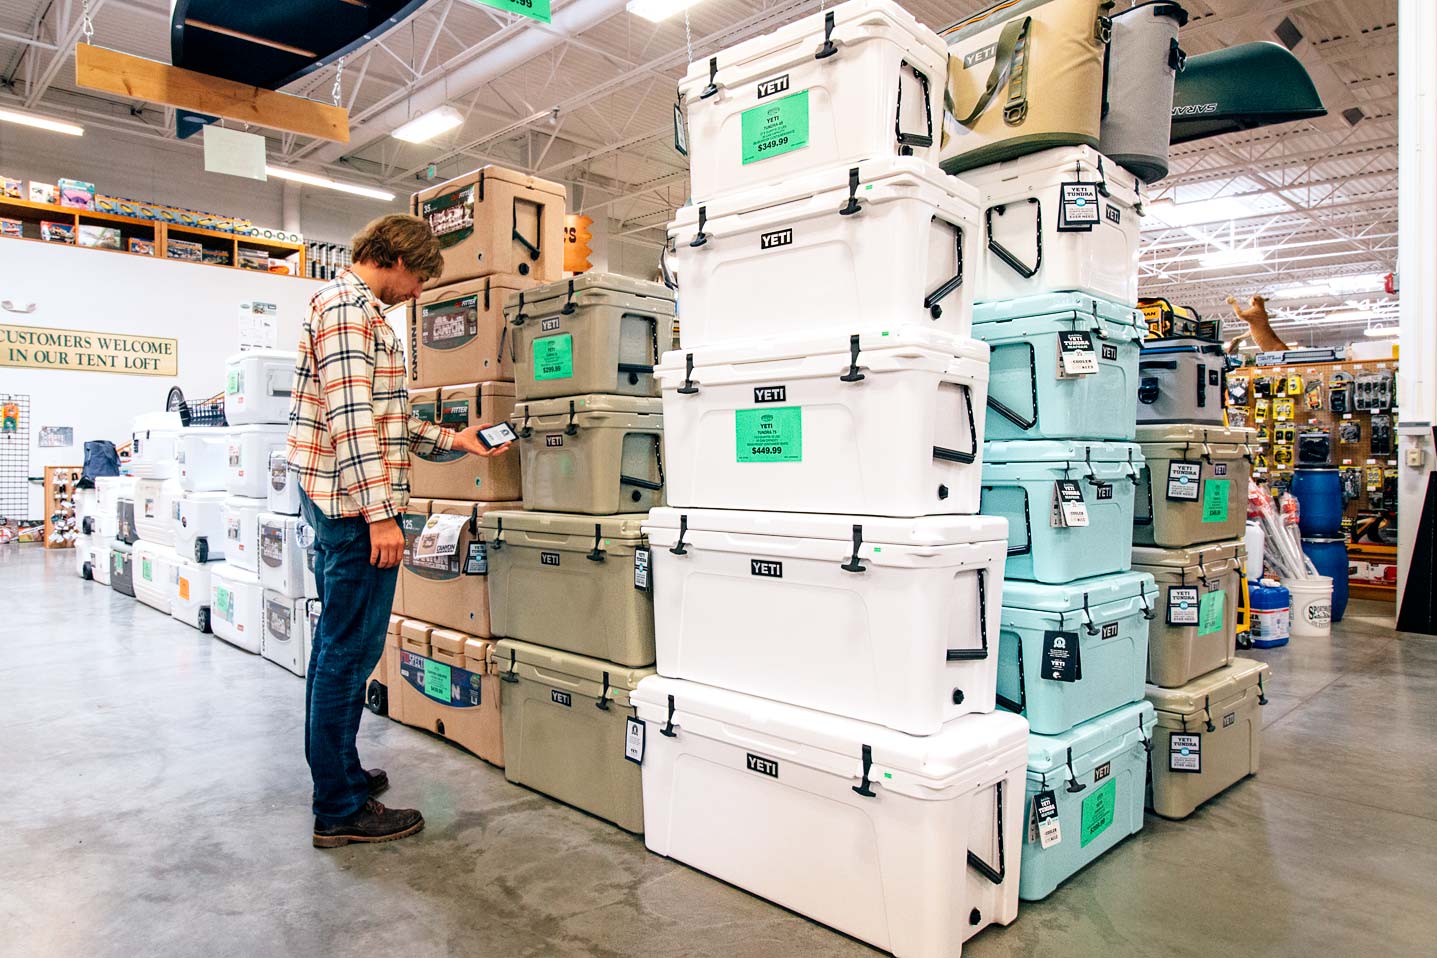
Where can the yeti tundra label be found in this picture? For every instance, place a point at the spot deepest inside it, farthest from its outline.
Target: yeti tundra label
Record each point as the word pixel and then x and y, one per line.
pixel 774 570
pixel 548 325
pixel 561 698
pixel 770 87
pixel 770 394
pixel 548 558
pixel 764 766
pixel 775 239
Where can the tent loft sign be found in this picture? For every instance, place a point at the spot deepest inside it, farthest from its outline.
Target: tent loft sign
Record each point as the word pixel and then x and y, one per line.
pixel 78 350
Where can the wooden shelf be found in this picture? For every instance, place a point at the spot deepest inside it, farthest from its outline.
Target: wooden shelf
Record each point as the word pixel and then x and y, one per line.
pixel 68 476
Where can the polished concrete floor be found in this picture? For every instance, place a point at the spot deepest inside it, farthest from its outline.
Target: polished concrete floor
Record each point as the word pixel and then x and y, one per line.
pixel 155 803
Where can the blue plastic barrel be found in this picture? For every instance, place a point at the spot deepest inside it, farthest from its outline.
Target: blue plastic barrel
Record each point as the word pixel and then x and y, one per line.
pixel 1329 555
pixel 1319 496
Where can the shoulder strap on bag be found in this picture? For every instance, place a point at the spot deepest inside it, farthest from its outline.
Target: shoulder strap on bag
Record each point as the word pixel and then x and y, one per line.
pixel 1010 66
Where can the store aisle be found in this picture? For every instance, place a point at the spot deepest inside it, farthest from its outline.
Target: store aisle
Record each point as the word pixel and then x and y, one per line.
pixel 155 802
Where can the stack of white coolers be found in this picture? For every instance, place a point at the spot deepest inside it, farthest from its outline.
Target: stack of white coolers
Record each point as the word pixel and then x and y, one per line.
pixel 156 490
pixel 822 729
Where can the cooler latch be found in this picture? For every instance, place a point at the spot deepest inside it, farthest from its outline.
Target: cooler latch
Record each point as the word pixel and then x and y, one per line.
pixel 512 674
pixel 1261 694
pixel 1147 739
pixel 712 88
pixel 827 48
pixel 1148 613
pixel 474 520
pixel 678 548
pixel 525 431
pixel 597 555
pixel 852 205
pixel 865 787
pixel 994 875
pixel 569 306
pixel 1074 785
pixel 688 388
pixel 1090 627
pixel 518 319
pixel 853 375
pixel 603 702
pixel 498 542
pixel 855 564
pixel 572 429
pixel 700 238
pixel 668 730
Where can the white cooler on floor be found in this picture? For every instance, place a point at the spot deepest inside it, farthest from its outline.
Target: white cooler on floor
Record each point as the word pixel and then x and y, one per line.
pixel 202 458
pixel 154 574
pixel 283 491
pixel 784 259
pixel 893 621
pixel 1038 243
pixel 910 844
pixel 283 542
pixel 249 452
pixel 152 445
pixel 87 512
pixel 286 629
pixel 769 109
pixel 109 490
pixel 190 601
pixel 104 559
pixel 155 509
pixel 89 556
pixel 236 607
pixel 873 424
pixel 241 531
pixel 258 385
pixel 199 524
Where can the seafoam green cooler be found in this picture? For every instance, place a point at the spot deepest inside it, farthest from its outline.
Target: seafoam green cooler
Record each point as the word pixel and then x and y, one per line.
pixel 1193 487
pixel 595 454
pixel 1195 630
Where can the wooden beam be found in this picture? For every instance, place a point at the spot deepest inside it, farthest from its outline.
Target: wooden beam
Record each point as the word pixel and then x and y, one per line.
pixel 250 38
pixel 139 79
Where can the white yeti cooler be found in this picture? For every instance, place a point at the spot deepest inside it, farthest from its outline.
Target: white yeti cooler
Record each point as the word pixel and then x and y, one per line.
pixel 154 509
pixel 910 844
pixel 286 626
pixel 198 520
pixel 893 621
pixel 154 574
pixel 842 249
pixel 236 607
pixel 202 458
pixel 878 423
pixel 152 445
pixel 190 600
pixel 1063 219
pixel 248 458
pixel 283 542
pixel 109 490
pixel 240 519
pixel 771 108
pixel 283 491
pixel 258 385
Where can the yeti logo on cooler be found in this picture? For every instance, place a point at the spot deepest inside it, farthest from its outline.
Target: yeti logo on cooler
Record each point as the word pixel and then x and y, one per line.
pixel 546 325
pixel 774 570
pixel 554 440
pixel 1102 771
pixel 1110 353
pixel 764 766
pixel 561 698
pixel 770 87
pixel 1229 719
pixel 982 55
pixel 775 239
pixel 1113 213
pixel 770 394
pixel 1110 631
pixel 548 558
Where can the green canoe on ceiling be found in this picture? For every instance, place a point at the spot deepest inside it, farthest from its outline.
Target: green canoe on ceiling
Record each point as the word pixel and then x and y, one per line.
pixel 1241 88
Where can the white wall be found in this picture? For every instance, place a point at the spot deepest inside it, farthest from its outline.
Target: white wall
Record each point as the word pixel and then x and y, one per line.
pixel 104 291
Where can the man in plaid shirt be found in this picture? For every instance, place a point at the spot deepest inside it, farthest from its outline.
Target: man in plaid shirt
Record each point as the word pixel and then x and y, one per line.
pixel 350 436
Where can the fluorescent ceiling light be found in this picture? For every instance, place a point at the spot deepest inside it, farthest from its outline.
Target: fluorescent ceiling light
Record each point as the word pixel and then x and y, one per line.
pixel 40 122
pixel 1306 291
pixel 1383 332
pixel 426 126
pixel 1351 315
pixel 313 180
pixel 657 11
pixel 1202 211
pixel 1223 259
pixel 1361 282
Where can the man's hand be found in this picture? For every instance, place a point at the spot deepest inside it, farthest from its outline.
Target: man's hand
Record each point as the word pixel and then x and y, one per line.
pixel 386 543
pixel 468 441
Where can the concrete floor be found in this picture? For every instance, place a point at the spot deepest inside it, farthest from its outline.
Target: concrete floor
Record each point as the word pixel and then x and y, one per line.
pixel 156 803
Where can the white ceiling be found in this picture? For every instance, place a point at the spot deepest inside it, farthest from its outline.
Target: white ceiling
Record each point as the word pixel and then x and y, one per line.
pixel 588 100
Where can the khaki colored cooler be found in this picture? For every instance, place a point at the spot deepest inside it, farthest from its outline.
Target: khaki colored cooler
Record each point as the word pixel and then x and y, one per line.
pixel 457 333
pixel 595 333
pixel 450 588
pixel 381 689
pixel 564 729
pixel 1208 736
pixel 495 220
pixel 1023 76
pixel 1193 484
pixel 576 583
pixel 462 475
pixel 452 692
pixel 593 454
pixel 1194 629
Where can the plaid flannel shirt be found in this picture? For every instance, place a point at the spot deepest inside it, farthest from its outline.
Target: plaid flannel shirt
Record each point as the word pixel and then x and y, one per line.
pixel 350 431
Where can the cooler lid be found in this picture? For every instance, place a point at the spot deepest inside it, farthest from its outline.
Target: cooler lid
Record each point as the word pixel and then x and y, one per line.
pixel 1195 433
pixel 204 432
pixel 1048 754
pixel 495 288
pixel 207 497
pixel 922 531
pixel 283 355
pixel 246 504
pixel 1076 451
pixel 463 507
pixel 395 621
pixel 1181 344
pixel 899 338
pixel 1040 597
pixel 482 390
pixel 625 527
pixel 272 428
pixel 1057 305
pixel 492 172
pixel 610 282
pixel 1212 554
pixel 579 667
pixel 1076 163
pixel 593 402
pixel 1214 688
pixel 476 653
pixel 234 575
pixel 1158 8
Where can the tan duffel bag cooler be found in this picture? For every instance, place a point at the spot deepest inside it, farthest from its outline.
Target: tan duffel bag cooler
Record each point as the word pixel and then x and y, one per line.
pixel 594 454
pixel 495 220
pixel 462 475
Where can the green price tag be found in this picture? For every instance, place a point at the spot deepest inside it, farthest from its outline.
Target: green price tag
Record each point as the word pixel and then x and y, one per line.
pixel 436 680
pixel 1210 609
pixel 225 603
pixel 233 382
pixel 773 129
pixel 533 9
pixel 1098 809
pixel 769 435
pixel 145 572
pixel 1214 499
pixel 554 357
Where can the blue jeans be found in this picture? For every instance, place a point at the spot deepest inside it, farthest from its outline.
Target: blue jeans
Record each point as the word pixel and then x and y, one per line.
pixel 348 643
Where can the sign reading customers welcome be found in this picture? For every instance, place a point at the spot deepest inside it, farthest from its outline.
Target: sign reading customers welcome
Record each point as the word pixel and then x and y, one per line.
pixel 36 347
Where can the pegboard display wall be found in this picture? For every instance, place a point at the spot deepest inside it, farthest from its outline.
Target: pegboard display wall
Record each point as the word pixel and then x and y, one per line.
pixel 14 456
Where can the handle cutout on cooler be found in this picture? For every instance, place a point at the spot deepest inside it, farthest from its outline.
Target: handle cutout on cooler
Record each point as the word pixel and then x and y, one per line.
pixel 994 875
pixel 980 653
pixel 1009 258
pixel 906 141
pixel 1008 412
pixel 533 249
pixel 954 282
pixel 1027 545
pixel 1003 701
pixel 957 455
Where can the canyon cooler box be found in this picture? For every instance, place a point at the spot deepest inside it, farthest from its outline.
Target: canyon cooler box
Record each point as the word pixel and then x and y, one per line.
pixel 190 599
pixel 283 543
pixel 576 583
pixel 594 333
pixel 448 585
pixel 1195 629
pixel 237 607
pixel 282 494
pixel 241 528
pixel 1093 781
pixel 1034 341
pixel 495 220
pixel 199 524
pixel 457 333
pixel 258 386
pixel 249 451
pixel 1208 736
pixel 1062 219
pixel 285 638
pixel 154 569
pixel 452 693
pixel 1182 380
pixel 909 844
pixel 1069 653
pixel 155 509
pixel 1194 484
pixel 840 249
pixel 202 458
pixel 594 454
pixel 122 568
pixel 861 81
pixel 1023 481
pixel 456 474
pixel 381 689
pixel 1144 60
pixel 891 621
pixel 565 720
pixel 152 445
pixel 870 424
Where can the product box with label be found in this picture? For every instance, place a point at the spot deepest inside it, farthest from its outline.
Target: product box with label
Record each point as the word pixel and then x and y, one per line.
pixel 44 193
pixel 444 574
pixel 12 228
pixel 450 691
pixel 100 237
pixel 456 474
pixel 495 220
pixel 186 250
pixel 457 332
pixel 11 189
pixel 142 247
pixel 77 194
pixel 57 232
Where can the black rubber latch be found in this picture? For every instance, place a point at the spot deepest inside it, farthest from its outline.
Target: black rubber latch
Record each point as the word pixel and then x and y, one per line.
pixel 498 542
pixel 853 375
pixel 597 554
pixel 688 388
pixel 852 205
pixel 864 788
pixel 1148 613
pixel 519 314
pixel 572 429
pixel 1261 694
pixel 712 88
pixel 603 702
pixel 668 730
pixel 569 306
pixel 525 430
pixel 511 675
pixel 1207 711
pixel 678 548
pixel 855 564
pixel 700 238
pixel 1073 784
pixel 1090 627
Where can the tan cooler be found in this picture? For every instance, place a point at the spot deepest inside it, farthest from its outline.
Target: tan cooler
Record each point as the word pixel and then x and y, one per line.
pixel 495 220
pixel 595 333
pixel 593 454
pixel 462 475
pixel 1208 736
pixel 381 690
pixel 450 587
pixel 564 729
pixel 1193 488
pixel 1194 627
pixel 452 693
pixel 577 583
pixel 457 333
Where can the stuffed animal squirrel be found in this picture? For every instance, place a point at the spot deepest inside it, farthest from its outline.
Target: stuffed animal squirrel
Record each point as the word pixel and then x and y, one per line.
pixel 1259 325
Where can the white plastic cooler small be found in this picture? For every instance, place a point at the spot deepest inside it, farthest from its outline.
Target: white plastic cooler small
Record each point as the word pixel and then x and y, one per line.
pixel 286 629
pixel 198 520
pixel 283 541
pixel 190 600
pixel 283 491
pixel 241 532
pixel 154 509
pixel 152 445
pixel 202 458
pixel 248 458
pixel 154 574
pixel 258 386
pixel 236 607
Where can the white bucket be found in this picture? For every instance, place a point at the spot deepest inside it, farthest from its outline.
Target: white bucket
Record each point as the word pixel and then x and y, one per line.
pixel 1311 607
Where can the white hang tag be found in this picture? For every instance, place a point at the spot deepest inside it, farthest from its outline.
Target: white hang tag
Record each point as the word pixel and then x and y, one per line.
pixel 1182 605
pixel 440 536
pixel 1076 354
pixel 1073 510
pixel 1045 818
pixel 1183 480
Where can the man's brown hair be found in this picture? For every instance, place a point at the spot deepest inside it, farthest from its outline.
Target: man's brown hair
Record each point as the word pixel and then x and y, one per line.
pixel 398 236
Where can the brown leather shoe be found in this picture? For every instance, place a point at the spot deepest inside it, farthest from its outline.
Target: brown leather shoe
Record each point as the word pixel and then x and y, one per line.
pixel 378 780
pixel 373 824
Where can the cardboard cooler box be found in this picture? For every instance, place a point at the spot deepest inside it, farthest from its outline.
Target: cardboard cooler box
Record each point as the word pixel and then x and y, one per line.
pixel 461 475
pixel 450 586
pixel 457 333
pixel 449 689
pixel 495 220
pixel 1194 484
pixel 1195 626
pixel 594 454
pixel 909 844
pixel 565 720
